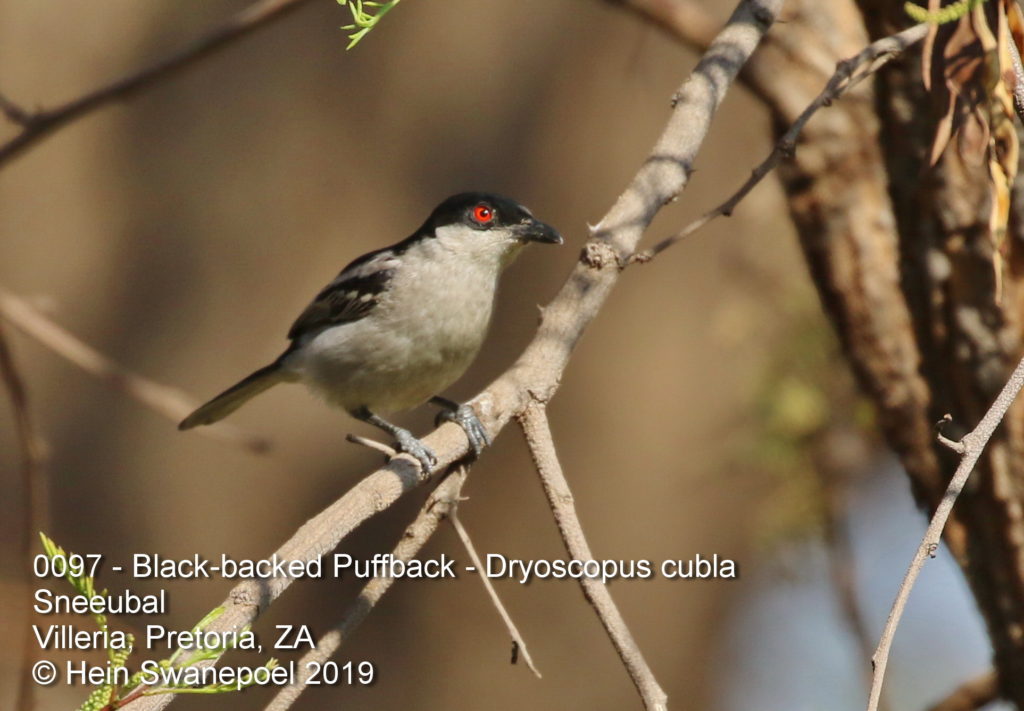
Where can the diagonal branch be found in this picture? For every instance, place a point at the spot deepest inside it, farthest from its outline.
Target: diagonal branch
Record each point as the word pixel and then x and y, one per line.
pixel 538 371
pixel 518 643
pixel 38 125
pixel 970 448
pixel 438 505
pixel 534 421
pixel 770 77
pixel 170 402
pixel 13 112
pixel 848 74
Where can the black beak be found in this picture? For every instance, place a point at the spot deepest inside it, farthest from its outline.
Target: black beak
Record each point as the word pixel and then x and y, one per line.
pixel 537 231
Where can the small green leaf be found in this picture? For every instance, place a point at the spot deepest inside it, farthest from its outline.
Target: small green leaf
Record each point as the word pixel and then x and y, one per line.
pixel 364 21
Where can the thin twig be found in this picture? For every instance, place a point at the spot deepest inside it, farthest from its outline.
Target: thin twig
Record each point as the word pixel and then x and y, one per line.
pixel 538 370
pixel 874 56
pixel 534 422
pixel 970 446
pixel 518 643
pixel 972 694
pixel 389 452
pixel 33 456
pixel 438 505
pixel 39 124
pixel 170 402
pixel 14 112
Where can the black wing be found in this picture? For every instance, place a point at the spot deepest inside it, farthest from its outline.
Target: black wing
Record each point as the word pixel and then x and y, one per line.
pixel 351 296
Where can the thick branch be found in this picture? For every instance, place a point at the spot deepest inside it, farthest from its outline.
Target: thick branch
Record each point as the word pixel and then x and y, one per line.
pixel 38 125
pixel 970 448
pixel 661 177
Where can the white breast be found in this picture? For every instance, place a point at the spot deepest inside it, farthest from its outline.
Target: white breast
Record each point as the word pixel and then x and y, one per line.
pixel 424 332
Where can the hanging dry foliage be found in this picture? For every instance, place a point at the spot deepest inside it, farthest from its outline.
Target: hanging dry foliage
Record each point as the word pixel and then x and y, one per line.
pixel 969 71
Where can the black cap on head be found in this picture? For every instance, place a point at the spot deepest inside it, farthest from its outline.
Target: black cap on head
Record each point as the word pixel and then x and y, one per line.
pixel 485 211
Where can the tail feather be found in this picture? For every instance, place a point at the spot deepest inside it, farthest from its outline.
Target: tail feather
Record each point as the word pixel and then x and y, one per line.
pixel 234 397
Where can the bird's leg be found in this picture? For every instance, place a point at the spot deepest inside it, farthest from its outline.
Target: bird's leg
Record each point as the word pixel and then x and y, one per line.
pixel 405 439
pixel 464 417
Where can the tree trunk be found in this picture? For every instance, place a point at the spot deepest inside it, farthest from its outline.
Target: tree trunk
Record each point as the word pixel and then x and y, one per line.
pixel 901 255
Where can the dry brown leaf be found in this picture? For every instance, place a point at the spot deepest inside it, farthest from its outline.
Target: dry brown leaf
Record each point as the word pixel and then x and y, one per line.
pixel 1004 147
pixel 976 94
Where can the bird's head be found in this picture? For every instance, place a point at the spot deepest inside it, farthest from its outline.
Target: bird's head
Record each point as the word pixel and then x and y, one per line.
pixel 487 226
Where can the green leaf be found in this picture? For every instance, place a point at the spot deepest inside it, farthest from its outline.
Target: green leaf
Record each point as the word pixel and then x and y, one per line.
pixel 364 21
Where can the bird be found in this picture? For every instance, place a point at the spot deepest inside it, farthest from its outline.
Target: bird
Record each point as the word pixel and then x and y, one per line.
pixel 398 325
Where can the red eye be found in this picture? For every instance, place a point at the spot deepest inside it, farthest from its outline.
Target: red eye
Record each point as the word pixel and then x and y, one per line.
pixel 483 214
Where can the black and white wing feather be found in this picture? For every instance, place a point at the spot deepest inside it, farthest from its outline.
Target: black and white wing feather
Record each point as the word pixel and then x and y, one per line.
pixel 352 295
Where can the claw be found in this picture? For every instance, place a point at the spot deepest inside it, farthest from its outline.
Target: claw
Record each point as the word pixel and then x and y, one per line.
pixel 406 441
pixel 412 446
pixel 464 417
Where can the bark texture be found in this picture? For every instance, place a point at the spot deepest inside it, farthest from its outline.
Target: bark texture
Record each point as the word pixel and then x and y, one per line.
pixel 901 256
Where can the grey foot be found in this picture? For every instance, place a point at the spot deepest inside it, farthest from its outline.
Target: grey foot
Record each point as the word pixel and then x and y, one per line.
pixel 403 438
pixel 409 444
pixel 464 417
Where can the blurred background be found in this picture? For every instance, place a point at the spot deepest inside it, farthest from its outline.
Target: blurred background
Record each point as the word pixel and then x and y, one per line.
pixel 181 231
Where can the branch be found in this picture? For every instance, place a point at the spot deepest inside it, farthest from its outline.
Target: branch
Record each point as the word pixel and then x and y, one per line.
pixel 846 76
pixel 33 456
pixel 42 123
pixel 534 421
pixel 518 643
pixel 438 505
pixel 170 402
pixel 13 112
pixel 972 694
pixel 771 78
pixel 970 448
pixel 539 369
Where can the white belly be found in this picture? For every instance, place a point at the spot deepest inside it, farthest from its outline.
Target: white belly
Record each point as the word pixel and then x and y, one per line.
pixel 357 367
